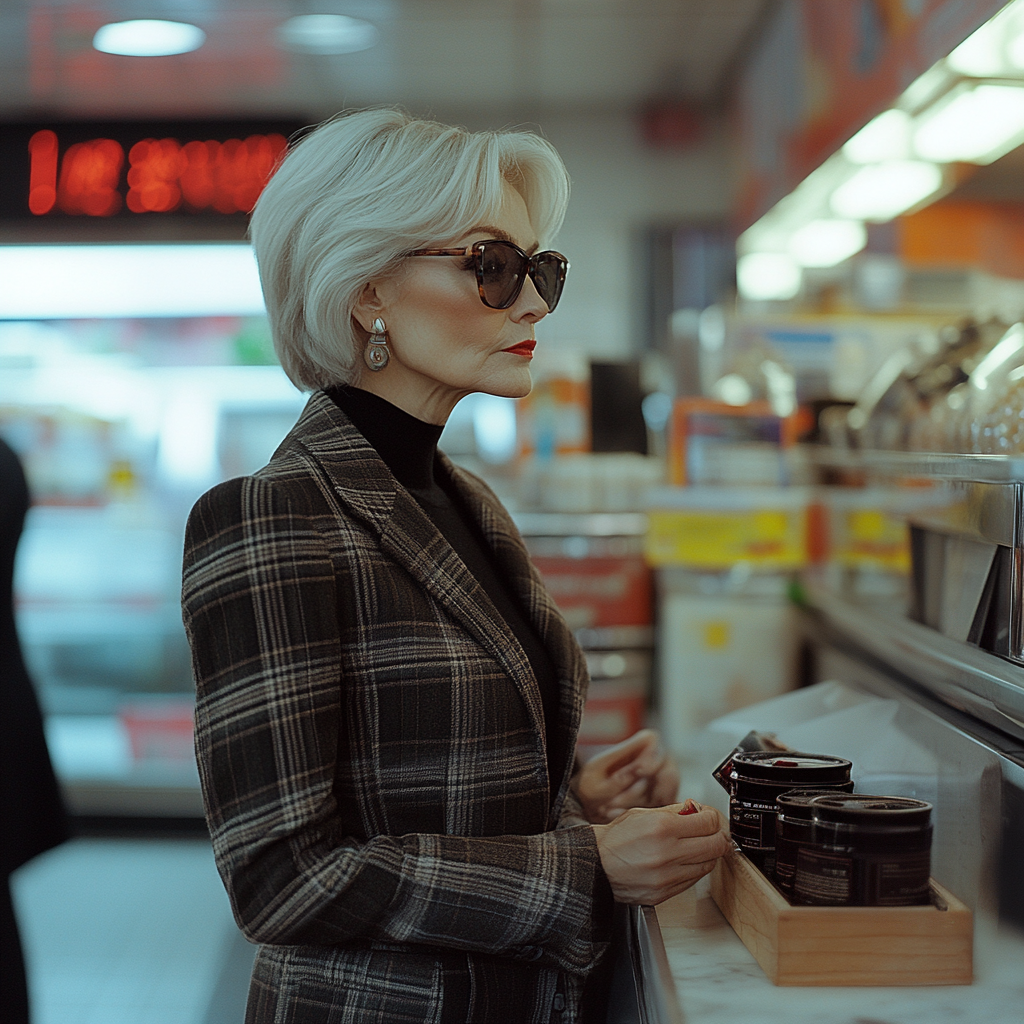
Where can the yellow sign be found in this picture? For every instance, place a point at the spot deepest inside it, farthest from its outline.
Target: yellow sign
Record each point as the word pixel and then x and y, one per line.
pixel 765 538
pixel 871 537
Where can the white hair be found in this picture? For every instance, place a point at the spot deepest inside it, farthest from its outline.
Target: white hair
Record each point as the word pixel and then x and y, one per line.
pixel 360 191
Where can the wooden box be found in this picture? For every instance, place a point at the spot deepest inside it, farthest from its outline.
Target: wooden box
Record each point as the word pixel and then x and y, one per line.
pixel 925 945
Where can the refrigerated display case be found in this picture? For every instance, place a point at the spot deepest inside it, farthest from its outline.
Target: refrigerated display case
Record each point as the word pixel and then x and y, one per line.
pixel 121 423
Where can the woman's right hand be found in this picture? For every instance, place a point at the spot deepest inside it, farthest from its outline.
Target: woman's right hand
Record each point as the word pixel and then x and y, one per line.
pixel 652 853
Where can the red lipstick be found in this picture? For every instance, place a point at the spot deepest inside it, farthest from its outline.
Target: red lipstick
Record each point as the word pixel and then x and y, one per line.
pixel 524 348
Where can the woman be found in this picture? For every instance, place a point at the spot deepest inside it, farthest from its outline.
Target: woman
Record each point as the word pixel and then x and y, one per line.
pixel 387 698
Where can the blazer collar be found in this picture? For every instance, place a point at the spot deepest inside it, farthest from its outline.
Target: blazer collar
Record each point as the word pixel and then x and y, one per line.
pixel 362 482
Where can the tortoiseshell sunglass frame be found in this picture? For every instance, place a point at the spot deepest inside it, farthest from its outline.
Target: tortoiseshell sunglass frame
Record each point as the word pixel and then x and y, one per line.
pixel 476 249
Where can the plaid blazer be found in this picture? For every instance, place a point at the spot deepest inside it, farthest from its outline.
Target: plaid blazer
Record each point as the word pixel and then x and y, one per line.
pixel 371 748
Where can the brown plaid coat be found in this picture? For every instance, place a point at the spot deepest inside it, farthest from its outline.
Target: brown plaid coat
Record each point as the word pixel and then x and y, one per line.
pixel 370 744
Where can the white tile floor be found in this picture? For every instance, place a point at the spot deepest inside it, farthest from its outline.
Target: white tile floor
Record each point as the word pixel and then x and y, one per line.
pixel 124 931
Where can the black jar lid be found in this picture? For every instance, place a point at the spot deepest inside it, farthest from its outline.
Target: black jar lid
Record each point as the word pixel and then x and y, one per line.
pixel 791 767
pixel 867 810
pixel 796 803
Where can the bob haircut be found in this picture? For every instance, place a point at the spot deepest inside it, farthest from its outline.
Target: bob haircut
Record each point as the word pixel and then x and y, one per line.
pixel 353 196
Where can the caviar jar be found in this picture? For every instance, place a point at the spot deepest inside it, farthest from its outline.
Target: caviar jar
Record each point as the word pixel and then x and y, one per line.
pixel 866 851
pixel 793 828
pixel 755 778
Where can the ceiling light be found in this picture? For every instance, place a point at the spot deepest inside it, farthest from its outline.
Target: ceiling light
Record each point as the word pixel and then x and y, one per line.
pixel 982 54
pixel 767 275
pixel 53 282
pixel 326 33
pixel 887 137
pixel 976 123
pixel 1015 52
pixel 148 38
pixel 880 192
pixel 824 243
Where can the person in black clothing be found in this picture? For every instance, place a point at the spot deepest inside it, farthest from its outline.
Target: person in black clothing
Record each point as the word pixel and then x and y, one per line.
pixel 32 817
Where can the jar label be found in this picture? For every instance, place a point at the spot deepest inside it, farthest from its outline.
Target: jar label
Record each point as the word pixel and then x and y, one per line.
pixel 752 824
pixel 900 880
pixel 823 877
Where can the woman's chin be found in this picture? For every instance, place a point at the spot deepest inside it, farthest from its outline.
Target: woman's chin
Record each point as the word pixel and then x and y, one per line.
pixel 514 384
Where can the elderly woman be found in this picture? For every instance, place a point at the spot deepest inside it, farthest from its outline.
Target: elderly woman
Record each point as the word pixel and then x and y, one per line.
pixel 387 698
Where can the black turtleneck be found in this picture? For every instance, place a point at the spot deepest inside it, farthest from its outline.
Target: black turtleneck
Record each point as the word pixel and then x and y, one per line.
pixel 409 448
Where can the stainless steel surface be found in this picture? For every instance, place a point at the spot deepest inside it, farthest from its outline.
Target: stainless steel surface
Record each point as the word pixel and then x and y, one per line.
pixel 992 469
pixel 656 991
pixel 983 511
pixel 967 565
pixel 974 502
pixel 961 675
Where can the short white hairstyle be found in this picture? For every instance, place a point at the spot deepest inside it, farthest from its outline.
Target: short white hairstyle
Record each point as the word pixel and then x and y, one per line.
pixel 353 196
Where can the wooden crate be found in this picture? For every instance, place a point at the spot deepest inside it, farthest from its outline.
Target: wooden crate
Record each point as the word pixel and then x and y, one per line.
pixel 926 945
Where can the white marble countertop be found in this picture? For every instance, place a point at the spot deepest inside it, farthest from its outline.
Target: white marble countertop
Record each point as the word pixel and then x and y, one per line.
pixel 719 982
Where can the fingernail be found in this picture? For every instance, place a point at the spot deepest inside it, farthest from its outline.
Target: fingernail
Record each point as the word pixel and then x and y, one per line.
pixel 691 809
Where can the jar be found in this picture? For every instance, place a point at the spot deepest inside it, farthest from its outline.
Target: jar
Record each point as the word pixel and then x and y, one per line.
pixel 793 830
pixel 865 851
pixel 755 778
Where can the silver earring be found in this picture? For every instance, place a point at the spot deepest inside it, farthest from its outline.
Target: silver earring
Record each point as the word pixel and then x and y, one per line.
pixel 377 352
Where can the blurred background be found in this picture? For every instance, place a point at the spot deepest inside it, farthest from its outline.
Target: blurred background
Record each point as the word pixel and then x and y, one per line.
pixel 797 244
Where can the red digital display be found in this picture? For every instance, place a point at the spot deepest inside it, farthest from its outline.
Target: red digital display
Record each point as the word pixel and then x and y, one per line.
pixel 163 175
pixel 83 170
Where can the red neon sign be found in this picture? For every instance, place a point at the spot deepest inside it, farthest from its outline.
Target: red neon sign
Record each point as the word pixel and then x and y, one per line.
pixel 42 185
pixel 163 176
pixel 89 175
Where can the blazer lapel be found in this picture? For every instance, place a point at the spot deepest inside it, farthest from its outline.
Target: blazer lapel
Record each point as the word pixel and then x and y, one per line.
pixel 362 481
pixel 514 559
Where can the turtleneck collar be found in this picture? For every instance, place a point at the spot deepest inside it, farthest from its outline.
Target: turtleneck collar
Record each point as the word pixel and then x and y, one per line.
pixel 406 444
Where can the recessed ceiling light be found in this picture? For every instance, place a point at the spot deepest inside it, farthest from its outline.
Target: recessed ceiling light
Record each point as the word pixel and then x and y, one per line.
pixel 148 38
pixel 326 33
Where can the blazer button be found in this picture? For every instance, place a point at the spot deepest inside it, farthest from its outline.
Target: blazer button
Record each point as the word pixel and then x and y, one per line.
pixel 533 952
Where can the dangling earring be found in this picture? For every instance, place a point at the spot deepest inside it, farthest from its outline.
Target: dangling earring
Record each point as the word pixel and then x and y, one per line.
pixel 377 352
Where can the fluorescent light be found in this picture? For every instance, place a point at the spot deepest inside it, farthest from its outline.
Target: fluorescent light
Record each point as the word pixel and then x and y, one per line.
pixel 1008 346
pixel 148 38
pixel 880 192
pixel 1015 52
pixel 326 33
pixel 983 53
pixel 980 54
pixel 53 282
pixel 767 275
pixel 887 137
pixel 824 243
pixel 976 123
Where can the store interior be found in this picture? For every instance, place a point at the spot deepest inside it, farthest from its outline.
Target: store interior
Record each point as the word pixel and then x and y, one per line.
pixel 774 451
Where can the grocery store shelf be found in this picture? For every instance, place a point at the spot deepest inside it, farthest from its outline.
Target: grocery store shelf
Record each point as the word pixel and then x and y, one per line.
pixel 986 469
pixel 958 674
pixel 582 524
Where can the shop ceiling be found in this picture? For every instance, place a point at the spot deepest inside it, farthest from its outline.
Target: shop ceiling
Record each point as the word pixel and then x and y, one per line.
pixel 471 58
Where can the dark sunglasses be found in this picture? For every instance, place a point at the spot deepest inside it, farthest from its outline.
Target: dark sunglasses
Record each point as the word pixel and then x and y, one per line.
pixel 502 269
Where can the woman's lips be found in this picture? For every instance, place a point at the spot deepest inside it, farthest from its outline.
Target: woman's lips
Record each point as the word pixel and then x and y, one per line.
pixel 524 348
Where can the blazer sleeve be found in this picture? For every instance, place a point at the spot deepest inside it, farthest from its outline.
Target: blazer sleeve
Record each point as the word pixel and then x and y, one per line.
pixel 259 606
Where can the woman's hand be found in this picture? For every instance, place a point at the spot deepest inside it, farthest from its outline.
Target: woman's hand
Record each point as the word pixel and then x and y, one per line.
pixel 633 773
pixel 651 854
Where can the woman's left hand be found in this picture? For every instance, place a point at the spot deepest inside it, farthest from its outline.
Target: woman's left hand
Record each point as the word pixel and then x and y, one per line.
pixel 634 773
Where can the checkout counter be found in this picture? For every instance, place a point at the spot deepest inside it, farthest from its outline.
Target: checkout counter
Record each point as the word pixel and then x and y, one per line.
pixel 924 692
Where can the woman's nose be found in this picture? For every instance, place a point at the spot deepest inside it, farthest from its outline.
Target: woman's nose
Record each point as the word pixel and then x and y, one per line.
pixel 529 305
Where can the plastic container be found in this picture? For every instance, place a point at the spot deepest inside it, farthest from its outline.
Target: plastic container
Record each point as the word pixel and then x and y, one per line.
pixel 754 779
pixel 793 831
pixel 866 851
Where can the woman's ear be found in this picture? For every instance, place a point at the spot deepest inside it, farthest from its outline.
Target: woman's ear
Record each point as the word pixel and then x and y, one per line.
pixel 369 306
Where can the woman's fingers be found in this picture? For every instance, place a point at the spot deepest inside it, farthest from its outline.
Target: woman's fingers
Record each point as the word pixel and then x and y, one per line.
pixel 650 854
